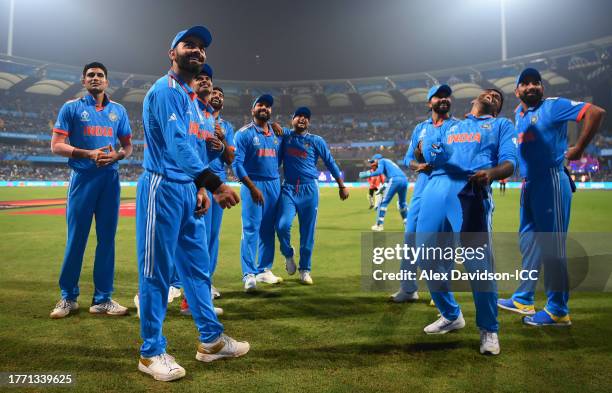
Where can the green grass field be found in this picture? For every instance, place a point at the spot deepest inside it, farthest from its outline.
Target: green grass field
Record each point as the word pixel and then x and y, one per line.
pixel 331 337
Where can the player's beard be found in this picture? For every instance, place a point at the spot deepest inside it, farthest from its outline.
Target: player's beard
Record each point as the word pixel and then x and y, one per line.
pixel 182 60
pixel 532 97
pixel 441 109
pixel 262 115
pixel 216 103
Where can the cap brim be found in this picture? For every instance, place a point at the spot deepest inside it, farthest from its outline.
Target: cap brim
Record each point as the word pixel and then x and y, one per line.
pixel 198 31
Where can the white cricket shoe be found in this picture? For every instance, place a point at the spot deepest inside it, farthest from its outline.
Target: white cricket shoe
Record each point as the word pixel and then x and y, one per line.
pixel 137 304
pixel 110 307
pixel 162 367
pixel 63 308
pixel 268 277
pixel 443 325
pixel 290 265
pixel 173 293
pixel 250 283
pixel 223 347
pixel 489 343
pixel 214 292
pixel 404 297
pixel 378 228
pixel 305 277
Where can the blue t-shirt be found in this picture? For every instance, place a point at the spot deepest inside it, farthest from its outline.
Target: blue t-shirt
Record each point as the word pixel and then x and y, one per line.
pixel 171 117
pixel 90 127
pixel 256 153
pixel 218 165
pixel 542 134
pixel 422 129
pixel 470 145
pixel 389 169
pixel 299 155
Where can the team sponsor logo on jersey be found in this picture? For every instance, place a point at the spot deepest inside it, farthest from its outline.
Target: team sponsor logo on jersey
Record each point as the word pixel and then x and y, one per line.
pixel 172 117
pixel 113 116
pixel 534 119
pixel 84 116
pixel 486 126
pixel 256 140
pixel 275 141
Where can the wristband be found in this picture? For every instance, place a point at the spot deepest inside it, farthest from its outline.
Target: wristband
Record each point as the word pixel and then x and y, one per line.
pixel 208 180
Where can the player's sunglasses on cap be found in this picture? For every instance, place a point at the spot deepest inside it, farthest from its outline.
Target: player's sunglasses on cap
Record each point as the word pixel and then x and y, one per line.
pixel 439 89
pixel 526 73
pixel 207 70
pixel 196 31
pixel 303 111
pixel 265 99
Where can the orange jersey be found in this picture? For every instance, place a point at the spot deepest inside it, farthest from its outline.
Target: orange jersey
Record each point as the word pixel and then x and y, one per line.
pixel 376 181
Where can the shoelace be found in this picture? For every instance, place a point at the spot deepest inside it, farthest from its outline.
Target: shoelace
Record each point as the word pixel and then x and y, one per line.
pixel 490 337
pixel 167 360
pixel 63 304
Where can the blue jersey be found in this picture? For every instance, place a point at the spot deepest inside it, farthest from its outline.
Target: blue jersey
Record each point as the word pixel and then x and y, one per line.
pixel 218 165
pixel 470 145
pixel 422 129
pixel 90 127
pixel 542 134
pixel 256 153
pixel 206 131
pixel 171 118
pixel 389 169
pixel 299 155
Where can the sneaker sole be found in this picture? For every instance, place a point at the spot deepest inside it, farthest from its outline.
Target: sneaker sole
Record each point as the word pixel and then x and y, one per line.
pixel 162 377
pixel 95 312
pixel 202 357
pixel 516 310
pixel 490 353
pixel 556 324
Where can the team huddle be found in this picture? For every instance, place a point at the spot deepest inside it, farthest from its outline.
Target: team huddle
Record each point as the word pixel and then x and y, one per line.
pixel 182 193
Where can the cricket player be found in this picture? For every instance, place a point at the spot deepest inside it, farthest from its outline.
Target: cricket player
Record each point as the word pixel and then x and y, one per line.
pixel 300 152
pixel 224 132
pixel 439 102
pixel 93 124
pixel 546 195
pixel 397 183
pixel 375 183
pixel 171 194
pixel 466 158
pixel 256 165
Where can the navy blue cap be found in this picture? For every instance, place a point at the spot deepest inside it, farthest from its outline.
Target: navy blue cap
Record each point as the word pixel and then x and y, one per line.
pixel 197 31
pixel 438 89
pixel 527 72
pixel 207 70
pixel 302 111
pixel 265 98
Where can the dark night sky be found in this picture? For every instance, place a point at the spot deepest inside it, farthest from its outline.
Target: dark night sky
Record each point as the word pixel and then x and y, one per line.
pixel 309 39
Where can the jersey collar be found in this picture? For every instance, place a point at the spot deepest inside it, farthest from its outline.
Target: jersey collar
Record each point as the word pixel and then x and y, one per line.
pixel 261 131
pixel 184 85
pixel 205 106
pixel 92 101
pixel 521 112
pixel 471 116
pixel 430 121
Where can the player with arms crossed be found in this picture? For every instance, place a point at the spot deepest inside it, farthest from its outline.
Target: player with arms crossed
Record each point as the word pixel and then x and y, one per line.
pixel 439 102
pixel 546 195
pixel 300 151
pixel 171 194
pixel 466 158
pixel 93 124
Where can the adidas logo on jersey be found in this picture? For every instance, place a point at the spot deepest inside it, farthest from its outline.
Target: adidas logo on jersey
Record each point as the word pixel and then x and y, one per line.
pixel 172 117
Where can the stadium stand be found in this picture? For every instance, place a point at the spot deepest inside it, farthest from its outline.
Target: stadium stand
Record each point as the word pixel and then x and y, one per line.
pixel 357 117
